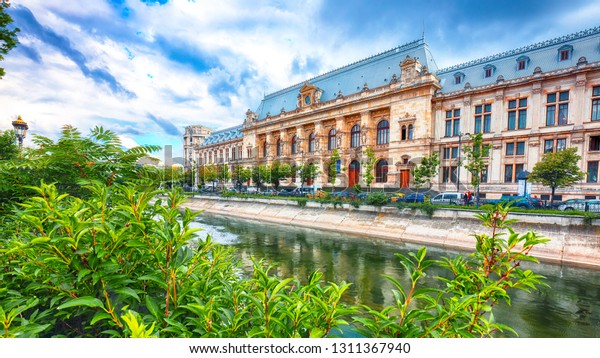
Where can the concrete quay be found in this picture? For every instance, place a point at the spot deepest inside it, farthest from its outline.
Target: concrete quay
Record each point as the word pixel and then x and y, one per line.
pixel 572 243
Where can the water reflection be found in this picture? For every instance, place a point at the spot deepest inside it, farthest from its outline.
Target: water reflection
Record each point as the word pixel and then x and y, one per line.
pixel 570 308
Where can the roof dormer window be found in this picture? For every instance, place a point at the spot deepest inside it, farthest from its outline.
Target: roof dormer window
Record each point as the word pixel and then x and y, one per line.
pixel 458 78
pixel 522 63
pixel 565 53
pixel 488 70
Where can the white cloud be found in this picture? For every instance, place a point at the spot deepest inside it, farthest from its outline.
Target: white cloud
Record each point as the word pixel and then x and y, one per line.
pixel 254 44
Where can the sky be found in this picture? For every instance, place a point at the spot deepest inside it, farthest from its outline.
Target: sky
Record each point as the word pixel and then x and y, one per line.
pixel 146 69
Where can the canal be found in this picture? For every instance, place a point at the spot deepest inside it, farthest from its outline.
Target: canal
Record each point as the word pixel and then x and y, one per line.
pixel 570 307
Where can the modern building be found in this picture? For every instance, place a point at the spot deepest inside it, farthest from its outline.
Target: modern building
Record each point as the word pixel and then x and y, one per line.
pixel 525 102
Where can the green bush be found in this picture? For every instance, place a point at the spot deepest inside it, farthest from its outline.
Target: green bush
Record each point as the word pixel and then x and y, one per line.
pixel 377 199
pixel 118 265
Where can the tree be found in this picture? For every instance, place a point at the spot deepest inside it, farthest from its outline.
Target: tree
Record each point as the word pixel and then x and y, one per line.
pixel 8 148
pixel 308 171
pixel 209 173
pixel 558 169
pixel 8 38
pixel 72 161
pixel 475 164
pixel 241 175
pixel 223 173
pixel 369 165
pixel 332 167
pixel 277 172
pixel 424 172
pixel 260 175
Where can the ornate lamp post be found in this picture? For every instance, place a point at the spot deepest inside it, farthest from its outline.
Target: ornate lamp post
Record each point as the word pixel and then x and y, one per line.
pixel 20 127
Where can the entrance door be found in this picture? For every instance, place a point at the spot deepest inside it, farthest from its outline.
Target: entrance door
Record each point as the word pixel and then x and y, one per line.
pixel 404 178
pixel 353 173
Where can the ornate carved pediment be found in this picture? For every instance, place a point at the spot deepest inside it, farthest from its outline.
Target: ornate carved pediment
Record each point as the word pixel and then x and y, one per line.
pixel 309 95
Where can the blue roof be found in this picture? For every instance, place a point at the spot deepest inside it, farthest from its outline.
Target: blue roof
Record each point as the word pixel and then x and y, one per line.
pixel 544 55
pixel 375 71
pixel 224 135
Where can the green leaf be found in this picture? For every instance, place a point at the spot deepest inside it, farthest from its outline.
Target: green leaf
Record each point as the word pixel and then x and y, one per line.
pixel 128 292
pixel 82 301
pixel 100 315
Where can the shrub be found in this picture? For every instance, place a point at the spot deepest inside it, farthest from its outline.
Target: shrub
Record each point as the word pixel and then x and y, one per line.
pixel 377 199
pixel 463 307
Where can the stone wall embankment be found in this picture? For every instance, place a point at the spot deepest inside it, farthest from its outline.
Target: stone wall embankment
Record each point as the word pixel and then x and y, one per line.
pixel 572 243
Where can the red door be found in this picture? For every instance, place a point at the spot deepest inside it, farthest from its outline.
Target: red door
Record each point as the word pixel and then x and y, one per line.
pixel 404 178
pixel 353 173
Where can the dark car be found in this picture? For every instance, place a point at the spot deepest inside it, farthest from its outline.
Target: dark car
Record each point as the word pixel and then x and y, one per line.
pixel 413 198
pixel 344 195
pixel 519 201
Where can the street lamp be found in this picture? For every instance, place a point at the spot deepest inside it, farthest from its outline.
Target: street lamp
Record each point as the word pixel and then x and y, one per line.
pixel 460 135
pixel 20 127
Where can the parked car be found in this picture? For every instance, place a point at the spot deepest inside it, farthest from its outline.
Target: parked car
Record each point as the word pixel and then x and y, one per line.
pixel 413 198
pixel 395 197
pixel 286 192
pixel 449 198
pixel 518 201
pixel 580 205
pixel 572 204
pixel 344 195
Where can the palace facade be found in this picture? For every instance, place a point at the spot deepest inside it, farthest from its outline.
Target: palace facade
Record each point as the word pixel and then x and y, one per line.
pixel 525 102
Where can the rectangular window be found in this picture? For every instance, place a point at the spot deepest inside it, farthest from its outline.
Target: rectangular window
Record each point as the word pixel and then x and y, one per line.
pixel 596 104
pixel 511 171
pixel 520 148
pixel 551 145
pixel 516 148
pixel 564 55
pixel 484 175
pixel 448 131
pixel 521 65
pixel 594 143
pixel 448 174
pixel 557 108
pixel 452 123
pixel 454 152
pixel 517 114
pixel 508 173
pixel 488 72
pixel 510 148
pixel 592 172
pixel 561 144
pixel 548 146
pixel 483 118
pixel 450 153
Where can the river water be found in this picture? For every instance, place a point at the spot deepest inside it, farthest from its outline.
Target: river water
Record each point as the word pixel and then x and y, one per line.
pixel 569 308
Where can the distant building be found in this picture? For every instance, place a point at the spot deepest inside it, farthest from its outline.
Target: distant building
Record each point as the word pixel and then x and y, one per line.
pixel 194 136
pixel 526 102
pixel 168 152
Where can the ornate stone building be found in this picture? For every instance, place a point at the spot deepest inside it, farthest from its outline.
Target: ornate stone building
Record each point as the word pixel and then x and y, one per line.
pixel 193 137
pixel 539 98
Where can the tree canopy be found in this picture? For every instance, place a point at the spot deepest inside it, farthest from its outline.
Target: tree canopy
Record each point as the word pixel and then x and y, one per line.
pixel 558 169
pixel 8 35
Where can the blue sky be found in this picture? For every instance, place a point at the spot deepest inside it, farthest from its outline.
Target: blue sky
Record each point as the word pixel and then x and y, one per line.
pixel 147 68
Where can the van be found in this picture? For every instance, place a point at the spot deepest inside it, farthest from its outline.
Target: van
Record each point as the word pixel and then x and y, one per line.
pixel 449 198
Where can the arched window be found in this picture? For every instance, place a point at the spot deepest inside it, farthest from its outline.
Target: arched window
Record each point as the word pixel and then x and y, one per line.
pixel 381 171
pixel 403 133
pixel 264 149
pixel 383 132
pixel 294 145
pixel 279 147
pixel 355 136
pixel 331 140
pixel 311 142
pixel 410 131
